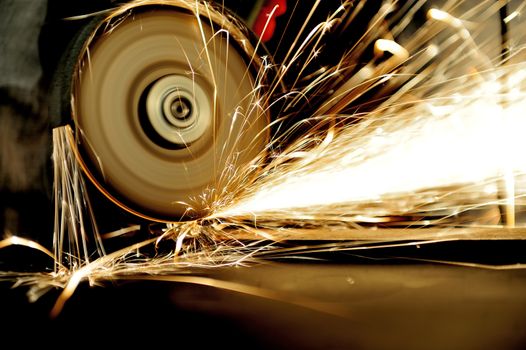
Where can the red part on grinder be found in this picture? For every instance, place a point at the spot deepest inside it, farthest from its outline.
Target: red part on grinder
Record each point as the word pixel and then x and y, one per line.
pixel 261 28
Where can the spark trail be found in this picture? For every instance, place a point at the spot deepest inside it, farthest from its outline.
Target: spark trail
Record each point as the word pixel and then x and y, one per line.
pixel 448 131
pixel 465 136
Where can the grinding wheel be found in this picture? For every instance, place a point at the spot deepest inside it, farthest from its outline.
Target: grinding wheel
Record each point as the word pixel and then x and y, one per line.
pixel 165 108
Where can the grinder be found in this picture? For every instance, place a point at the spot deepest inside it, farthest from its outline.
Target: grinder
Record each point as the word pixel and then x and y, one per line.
pixel 165 100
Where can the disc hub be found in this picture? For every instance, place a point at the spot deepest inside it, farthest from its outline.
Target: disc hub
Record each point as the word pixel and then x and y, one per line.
pixel 178 109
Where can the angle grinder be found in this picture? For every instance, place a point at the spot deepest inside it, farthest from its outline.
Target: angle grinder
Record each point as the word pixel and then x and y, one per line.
pixel 165 100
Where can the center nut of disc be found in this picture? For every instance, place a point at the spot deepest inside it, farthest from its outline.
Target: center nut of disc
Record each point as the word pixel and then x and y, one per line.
pixel 178 109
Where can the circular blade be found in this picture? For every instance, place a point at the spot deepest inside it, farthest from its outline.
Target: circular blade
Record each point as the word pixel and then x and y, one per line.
pixel 165 106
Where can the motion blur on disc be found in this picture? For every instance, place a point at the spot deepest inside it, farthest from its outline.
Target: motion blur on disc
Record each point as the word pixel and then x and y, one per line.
pixel 165 108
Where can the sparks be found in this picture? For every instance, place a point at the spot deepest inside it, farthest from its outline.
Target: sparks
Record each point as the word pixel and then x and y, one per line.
pixel 428 127
pixel 464 137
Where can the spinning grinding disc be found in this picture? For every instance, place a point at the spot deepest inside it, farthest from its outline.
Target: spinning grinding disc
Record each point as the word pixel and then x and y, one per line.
pixel 164 103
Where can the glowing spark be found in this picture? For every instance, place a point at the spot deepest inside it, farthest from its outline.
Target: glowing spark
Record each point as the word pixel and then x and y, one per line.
pixel 453 140
pixel 383 45
pixel 515 14
pixel 15 240
pixel 511 16
pixel 121 232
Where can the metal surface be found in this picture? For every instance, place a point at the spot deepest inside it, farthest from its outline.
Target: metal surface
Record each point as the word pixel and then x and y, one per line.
pixel 385 234
pixel 313 306
pixel 164 106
